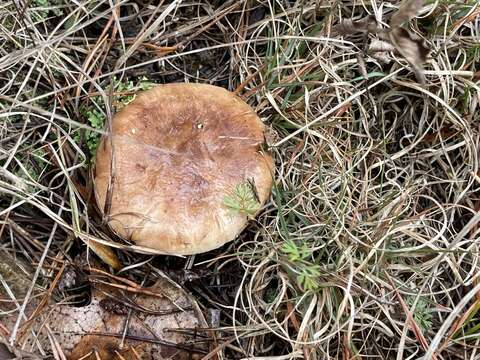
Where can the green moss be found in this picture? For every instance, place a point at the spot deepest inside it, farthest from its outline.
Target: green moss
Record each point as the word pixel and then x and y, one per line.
pixel 47 6
pixel 124 93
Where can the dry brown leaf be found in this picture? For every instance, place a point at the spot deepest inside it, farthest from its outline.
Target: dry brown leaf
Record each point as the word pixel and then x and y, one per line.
pixel 408 44
pixel 95 331
pixel 411 48
pixel 379 49
pixel 380 46
pixel 105 253
pixel 367 24
pixel 407 11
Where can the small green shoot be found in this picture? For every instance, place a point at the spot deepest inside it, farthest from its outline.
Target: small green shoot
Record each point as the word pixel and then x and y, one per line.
pixel 471 325
pixel 422 313
pixel 243 200
pixel 308 277
pixel 307 273
pixel 293 252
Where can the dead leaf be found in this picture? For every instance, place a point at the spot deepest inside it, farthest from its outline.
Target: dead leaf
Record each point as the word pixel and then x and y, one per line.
pixel 411 48
pixel 380 49
pixel 96 331
pixel 106 253
pixel 380 46
pixel 407 11
pixel 367 24
pixel 408 44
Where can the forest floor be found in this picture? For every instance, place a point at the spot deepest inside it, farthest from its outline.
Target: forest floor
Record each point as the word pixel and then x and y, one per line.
pixel 368 247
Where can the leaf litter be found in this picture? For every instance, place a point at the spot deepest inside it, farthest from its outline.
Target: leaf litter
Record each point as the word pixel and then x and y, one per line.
pixel 373 185
pixel 408 44
pixel 118 325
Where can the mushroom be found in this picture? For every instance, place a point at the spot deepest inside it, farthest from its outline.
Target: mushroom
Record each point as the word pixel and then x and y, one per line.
pixel 186 159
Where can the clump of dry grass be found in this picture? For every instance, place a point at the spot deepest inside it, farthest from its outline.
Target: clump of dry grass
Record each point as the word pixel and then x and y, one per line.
pixel 369 244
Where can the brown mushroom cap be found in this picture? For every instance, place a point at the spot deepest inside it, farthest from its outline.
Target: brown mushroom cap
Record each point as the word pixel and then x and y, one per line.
pixel 179 150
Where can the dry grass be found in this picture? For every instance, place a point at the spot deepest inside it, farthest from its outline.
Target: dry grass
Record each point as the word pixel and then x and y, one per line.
pixel 369 246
